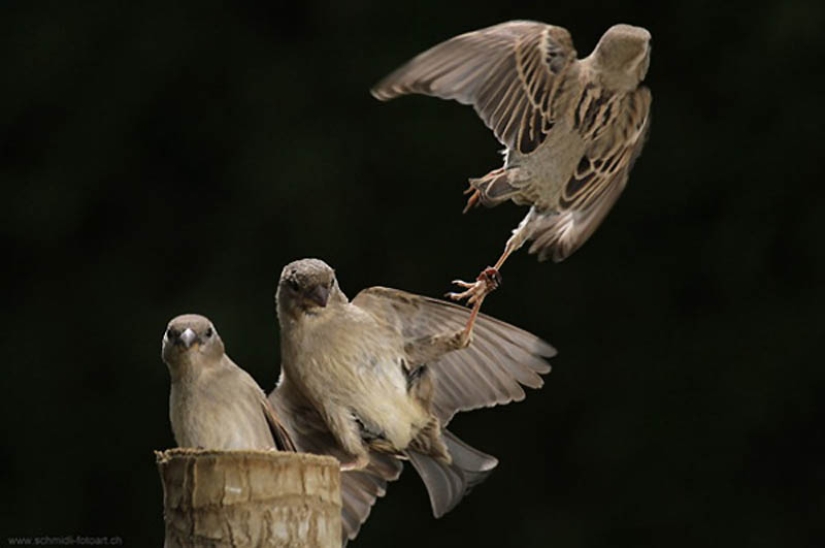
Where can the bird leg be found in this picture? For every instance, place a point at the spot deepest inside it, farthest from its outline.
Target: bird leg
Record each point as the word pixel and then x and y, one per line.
pixel 429 348
pixel 344 426
pixel 490 278
pixel 487 282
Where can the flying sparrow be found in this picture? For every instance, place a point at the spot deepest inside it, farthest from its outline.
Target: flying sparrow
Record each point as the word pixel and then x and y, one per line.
pixel 572 127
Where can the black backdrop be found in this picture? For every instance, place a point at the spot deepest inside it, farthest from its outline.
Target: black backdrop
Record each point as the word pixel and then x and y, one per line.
pixel 160 159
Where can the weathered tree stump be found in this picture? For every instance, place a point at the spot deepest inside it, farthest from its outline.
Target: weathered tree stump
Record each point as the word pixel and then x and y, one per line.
pixel 235 499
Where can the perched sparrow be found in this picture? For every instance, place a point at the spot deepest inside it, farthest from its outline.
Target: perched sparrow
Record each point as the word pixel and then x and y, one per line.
pixel 214 404
pixel 376 380
pixel 572 127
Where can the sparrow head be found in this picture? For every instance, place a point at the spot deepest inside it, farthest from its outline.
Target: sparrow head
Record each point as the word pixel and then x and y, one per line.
pixel 623 53
pixel 307 286
pixel 188 338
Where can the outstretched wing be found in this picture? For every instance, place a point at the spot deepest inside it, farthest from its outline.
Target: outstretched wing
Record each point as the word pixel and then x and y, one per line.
pixel 597 181
pixel 359 490
pixel 511 73
pixel 491 371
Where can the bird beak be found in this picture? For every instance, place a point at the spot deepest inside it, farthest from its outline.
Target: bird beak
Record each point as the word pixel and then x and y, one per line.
pixel 188 337
pixel 319 295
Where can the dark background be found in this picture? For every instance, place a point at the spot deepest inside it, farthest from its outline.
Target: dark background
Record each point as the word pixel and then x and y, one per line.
pixel 160 159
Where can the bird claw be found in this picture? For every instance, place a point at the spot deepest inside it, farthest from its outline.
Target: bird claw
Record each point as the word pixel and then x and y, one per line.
pixel 488 281
pixel 473 293
pixel 474 200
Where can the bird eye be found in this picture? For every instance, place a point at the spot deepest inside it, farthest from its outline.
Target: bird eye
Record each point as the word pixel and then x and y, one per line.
pixel 293 284
pixel 171 333
pixel 209 332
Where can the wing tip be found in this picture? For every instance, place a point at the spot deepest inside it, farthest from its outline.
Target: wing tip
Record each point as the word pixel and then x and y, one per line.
pixel 546 350
pixel 383 93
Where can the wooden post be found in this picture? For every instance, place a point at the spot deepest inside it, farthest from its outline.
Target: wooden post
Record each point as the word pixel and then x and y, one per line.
pixel 245 499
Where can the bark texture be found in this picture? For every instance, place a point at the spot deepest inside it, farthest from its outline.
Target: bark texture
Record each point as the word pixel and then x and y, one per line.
pixel 235 499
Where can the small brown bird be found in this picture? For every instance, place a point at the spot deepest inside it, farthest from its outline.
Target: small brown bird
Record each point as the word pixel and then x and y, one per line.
pixel 572 127
pixel 377 379
pixel 214 404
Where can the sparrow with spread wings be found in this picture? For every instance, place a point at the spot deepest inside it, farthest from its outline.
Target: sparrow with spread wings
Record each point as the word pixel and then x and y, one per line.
pixel 374 382
pixel 572 127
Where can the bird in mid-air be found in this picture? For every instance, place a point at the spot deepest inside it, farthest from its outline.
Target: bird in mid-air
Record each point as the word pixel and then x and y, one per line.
pixel 214 404
pixel 375 380
pixel 572 127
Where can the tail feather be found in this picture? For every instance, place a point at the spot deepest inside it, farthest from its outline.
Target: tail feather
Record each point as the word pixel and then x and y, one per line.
pixel 475 465
pixel 447 484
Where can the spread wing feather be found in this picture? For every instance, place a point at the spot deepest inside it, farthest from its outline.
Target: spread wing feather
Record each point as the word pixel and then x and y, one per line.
pixel 491 371
pixel 511 73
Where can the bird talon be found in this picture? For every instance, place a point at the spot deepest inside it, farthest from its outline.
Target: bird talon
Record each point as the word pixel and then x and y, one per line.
pixel 459 296
pixel 474 200
pixel 491 277
pixel 487 281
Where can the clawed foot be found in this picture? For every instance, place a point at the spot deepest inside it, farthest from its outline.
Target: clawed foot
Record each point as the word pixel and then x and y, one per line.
pixel 488 281
pixel 474 200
